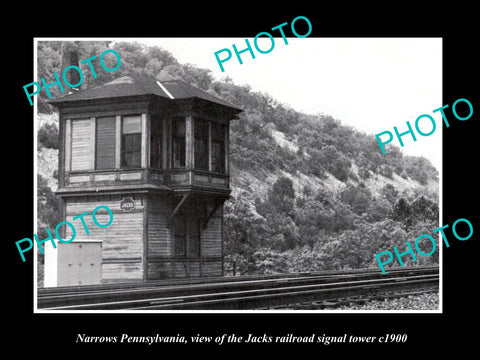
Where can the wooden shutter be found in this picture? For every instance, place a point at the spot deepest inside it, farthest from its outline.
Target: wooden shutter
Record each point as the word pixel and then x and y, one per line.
pixel 105 154
pixel 81 144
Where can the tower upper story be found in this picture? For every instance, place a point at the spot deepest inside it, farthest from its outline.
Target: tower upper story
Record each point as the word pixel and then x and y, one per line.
pixel 136 133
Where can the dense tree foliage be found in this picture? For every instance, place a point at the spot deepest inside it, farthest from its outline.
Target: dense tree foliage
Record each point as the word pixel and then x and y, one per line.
pixel 47 136
pixel 290 227
pixel 325 234
pixel 47 209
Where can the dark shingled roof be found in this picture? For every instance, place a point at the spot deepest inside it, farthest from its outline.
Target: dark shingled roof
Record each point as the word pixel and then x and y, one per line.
pixel 135 84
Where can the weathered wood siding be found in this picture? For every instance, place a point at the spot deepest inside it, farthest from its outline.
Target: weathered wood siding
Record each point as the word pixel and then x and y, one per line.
pixel 211 245
pixel 187 268
pixel 122 247
pixel 159 240
pixel 211 237
pixel 160 259
pixel 212 268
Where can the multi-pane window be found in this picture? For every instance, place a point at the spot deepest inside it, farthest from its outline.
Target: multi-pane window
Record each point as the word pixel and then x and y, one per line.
pixel 213 142
pixel 94 143
pixel 178 139
pixel 201 145
pixel 218 147
pixel 156 144
pixel 131 142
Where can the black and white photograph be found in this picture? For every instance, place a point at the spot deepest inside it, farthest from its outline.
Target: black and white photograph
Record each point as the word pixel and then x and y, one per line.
pixel 194 183
pixel 177 187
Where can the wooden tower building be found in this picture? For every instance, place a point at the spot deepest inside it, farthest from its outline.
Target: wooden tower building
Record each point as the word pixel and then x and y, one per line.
pixel 156 154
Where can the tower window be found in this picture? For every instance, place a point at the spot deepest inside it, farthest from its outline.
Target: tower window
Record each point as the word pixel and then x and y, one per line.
pixel 218 148
pixel 178 139
pixel 201 145
pixel 156 153
pixel 131 142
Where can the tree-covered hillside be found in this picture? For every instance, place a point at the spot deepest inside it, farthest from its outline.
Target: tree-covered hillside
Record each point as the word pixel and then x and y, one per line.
pixel 308 192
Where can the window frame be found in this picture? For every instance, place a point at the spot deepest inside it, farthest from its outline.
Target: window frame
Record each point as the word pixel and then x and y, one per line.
pixel 223 148
pixel 156 143
pixel 137 134
pixel 203 137
pixel 174 145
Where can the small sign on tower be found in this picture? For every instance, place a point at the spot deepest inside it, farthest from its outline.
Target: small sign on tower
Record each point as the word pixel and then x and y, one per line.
pixel 127 204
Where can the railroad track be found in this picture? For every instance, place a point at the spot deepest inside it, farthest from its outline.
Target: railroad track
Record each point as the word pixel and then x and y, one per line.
pixel 243 292
pixel 352 300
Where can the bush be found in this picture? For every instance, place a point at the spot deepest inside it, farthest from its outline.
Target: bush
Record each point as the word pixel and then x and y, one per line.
pixel 266 261
pixel 47 208
pixel 335 162
pixel 48 136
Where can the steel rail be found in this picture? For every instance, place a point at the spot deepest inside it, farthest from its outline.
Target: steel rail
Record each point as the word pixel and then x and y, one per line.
pixel 75 289
pixel 99 294
pixel 251 295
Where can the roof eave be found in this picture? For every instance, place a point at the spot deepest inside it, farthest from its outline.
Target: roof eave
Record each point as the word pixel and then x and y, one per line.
pixel 117 99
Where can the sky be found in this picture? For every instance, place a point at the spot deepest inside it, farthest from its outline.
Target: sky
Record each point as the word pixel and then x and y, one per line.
pixel 371 84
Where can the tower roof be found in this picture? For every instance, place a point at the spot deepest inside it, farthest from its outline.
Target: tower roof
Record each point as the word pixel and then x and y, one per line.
pixel 135 85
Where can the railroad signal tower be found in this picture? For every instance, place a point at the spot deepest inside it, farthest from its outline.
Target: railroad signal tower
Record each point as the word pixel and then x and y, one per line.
pixel 156 153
